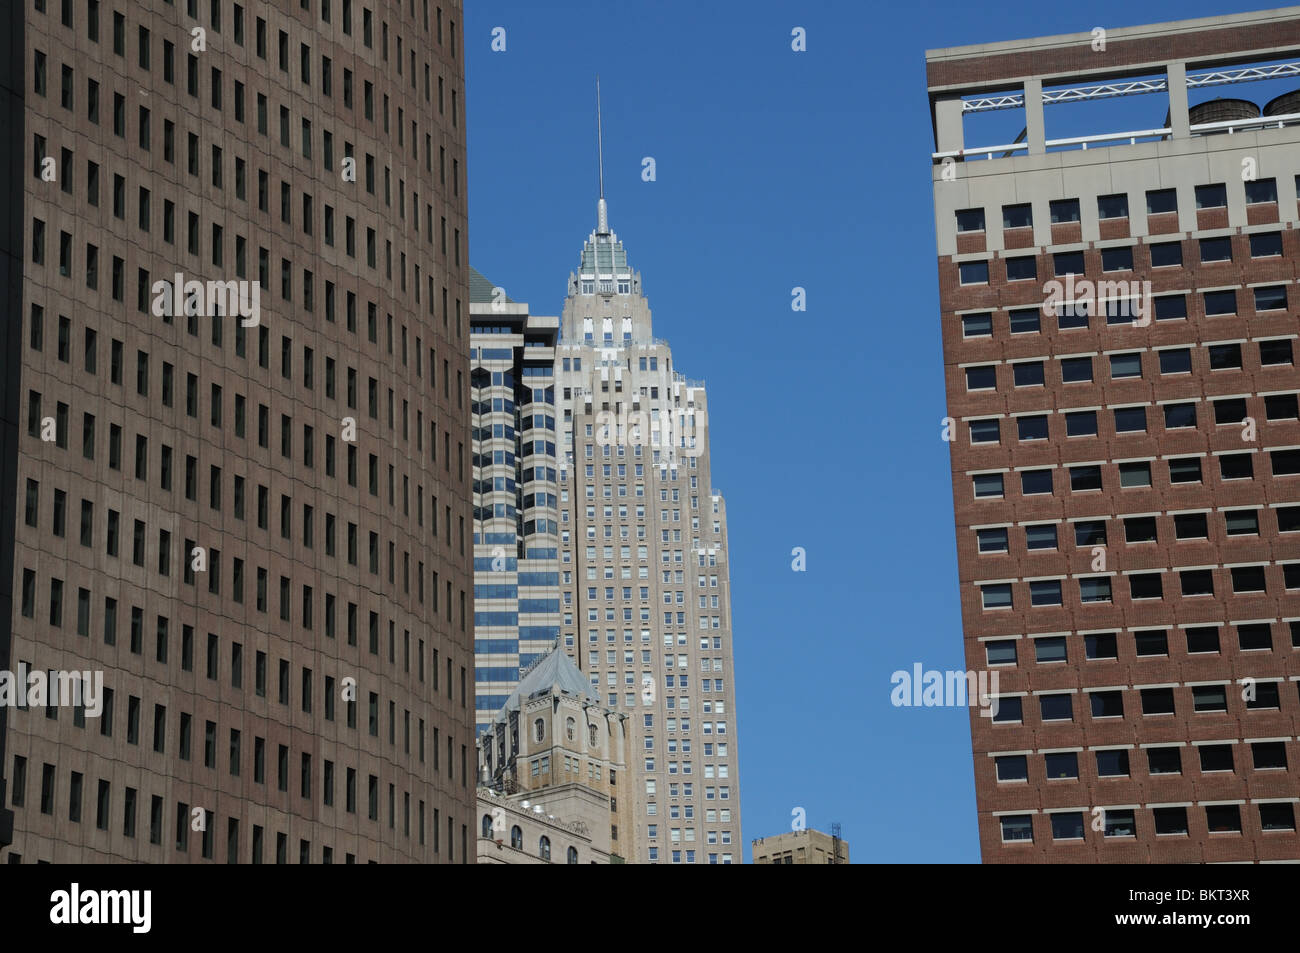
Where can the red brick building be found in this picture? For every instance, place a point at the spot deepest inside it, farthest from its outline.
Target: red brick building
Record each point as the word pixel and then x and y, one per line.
pixel 1119 329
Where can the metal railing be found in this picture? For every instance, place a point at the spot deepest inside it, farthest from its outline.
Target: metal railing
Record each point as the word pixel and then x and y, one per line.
pixel 1229 126
pixel 1074 94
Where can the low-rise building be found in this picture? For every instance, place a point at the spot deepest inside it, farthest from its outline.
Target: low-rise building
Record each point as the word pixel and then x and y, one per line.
pixel 553 782
pixel 797 847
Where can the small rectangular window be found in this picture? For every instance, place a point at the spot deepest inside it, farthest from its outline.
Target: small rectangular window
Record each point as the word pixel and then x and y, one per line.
pixel 1017 216
pixel 1076 369
pixel 1261 191
pixel 1271 298
pixel 1265 244
pixel 1166 254
pixel 1064 211
pixel 974 325
pixel 1025 321
pixel 1112 206
pixel 1160 201
pixel 1024 268
pixel 1211 196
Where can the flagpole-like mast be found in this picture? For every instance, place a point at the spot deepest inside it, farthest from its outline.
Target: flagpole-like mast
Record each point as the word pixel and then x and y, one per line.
pixel 602 213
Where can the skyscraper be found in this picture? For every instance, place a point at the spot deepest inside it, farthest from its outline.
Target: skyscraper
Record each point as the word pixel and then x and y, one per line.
pixel 646 596
pixel 1119 323
pixel 516 528
pixel 235 433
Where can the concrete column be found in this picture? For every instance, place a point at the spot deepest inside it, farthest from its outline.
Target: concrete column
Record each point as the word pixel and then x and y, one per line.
pixel 1035 130
pixel 947 124
pixel 1178 121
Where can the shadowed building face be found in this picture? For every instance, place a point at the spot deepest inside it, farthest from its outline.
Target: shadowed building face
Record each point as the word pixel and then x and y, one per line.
pixel 248 509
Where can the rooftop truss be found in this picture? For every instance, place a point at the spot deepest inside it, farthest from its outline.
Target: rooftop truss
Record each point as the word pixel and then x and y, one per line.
pixel 1076 94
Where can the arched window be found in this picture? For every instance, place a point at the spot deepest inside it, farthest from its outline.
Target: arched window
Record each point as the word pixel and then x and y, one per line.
pixel 569 728
pixel 544 848
pixel 487 825
pixel 539 729
pixel 592 730
pixel 516 838
pixel 573 855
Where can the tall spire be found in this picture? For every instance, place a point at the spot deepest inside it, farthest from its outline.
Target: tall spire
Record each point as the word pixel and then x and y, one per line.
pixel 602 211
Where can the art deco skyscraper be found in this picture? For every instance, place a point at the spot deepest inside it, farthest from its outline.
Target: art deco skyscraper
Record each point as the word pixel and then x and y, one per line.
pixel 1119 326
pixel 645 584
pixel 255 525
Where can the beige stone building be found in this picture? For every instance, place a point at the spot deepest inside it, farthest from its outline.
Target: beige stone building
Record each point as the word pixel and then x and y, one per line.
pixel 553 782
pixel 513 829
pixel 801 847
pixel 645 578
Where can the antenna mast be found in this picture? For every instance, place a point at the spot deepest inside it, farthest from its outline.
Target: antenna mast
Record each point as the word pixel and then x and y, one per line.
pixel 602 213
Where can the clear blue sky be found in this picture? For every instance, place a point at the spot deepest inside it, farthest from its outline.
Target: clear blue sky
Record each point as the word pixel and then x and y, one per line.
pixel 778 169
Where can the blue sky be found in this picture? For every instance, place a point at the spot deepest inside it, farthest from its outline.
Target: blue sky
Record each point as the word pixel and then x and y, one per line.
pixel 778 169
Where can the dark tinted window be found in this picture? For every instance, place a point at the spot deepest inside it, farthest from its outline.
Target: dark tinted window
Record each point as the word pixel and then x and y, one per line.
pixel 1272 298
pixel 1171 307
pixel 1017 216
pixel 1220 302
pixel 1265 244
pixel 1101 646
pixel 1068 262
pixel 1035 481
pixel 1023 268
pixel 1074 369
pixel 1166 253
pixel 1176 361
pixel 1065 210
pixel 1025 320
pixel 1211 196
pixel 1162 200
pixel 1261 190
pixel 1216 249
pixel 1027 373
pixel 1202 639
pixel 1117 259
pixel 1164 761
pixel 1112 206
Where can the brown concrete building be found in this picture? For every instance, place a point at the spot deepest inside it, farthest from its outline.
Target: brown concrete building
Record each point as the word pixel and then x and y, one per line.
pixel 252 524
pixel 800 847
pixel 1119 324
